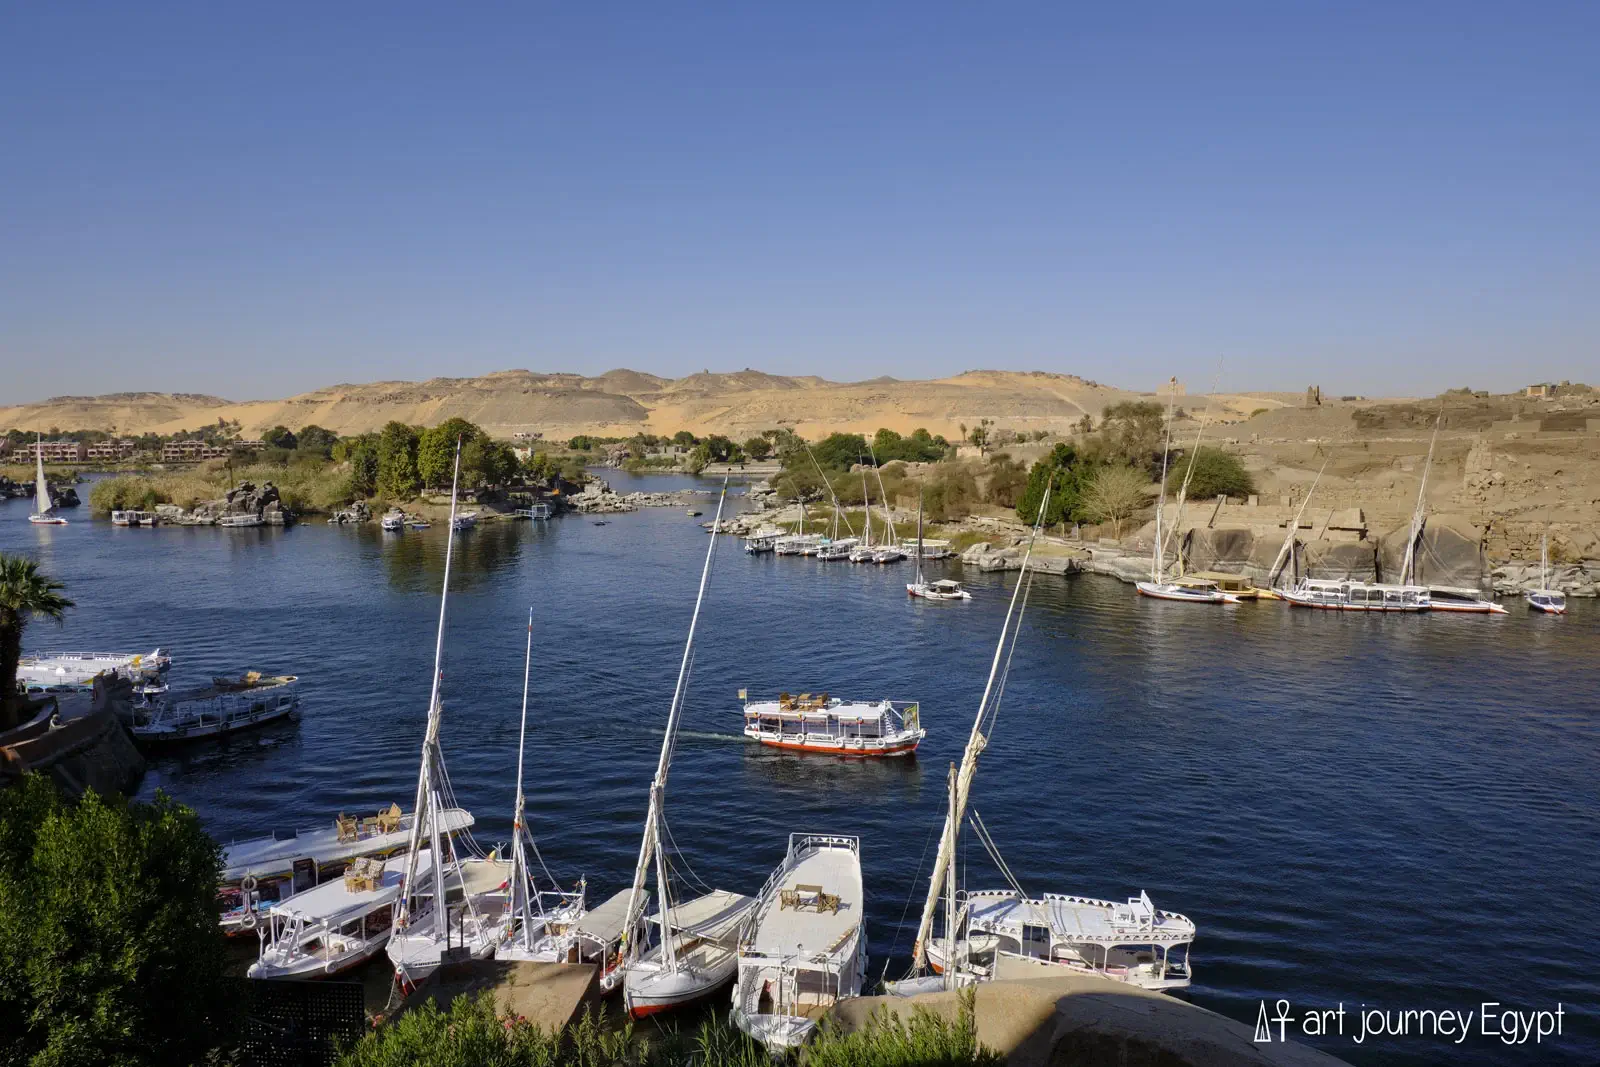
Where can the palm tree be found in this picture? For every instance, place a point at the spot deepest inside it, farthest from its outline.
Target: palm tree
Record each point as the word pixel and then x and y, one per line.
pixel 24 593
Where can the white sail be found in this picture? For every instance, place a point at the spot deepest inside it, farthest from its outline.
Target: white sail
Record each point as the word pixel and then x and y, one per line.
pixel 650 844
pixel 1285 554
pixel 1419 515
pixel 41 489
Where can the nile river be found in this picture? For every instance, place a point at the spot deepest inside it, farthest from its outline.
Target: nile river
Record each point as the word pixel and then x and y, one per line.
pixel 1396 813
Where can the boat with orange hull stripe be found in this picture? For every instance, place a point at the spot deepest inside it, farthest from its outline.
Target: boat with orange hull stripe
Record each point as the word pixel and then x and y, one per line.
pixel 830 726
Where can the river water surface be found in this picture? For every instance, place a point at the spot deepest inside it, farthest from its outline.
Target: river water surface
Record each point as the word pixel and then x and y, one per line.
pixel 1391 813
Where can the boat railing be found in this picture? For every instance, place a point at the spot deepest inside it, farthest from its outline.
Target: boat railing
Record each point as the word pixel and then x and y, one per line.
pixel 223 706
pixel 800 841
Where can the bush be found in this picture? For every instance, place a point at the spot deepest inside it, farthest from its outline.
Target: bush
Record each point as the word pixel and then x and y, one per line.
pixel 123 493
pixel 928 1040
pixel 1007 479
pixel 110 948
pixel 1216 473
pixel 1064 472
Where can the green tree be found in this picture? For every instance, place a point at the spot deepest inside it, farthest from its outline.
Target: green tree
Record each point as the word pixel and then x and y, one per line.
pixel 1007 479
pixel 436 450
pixel 698 459
pixel 110 948
pixel 315 439
pixel 362 453
pixel 685 439
pixel 397 461
pixel 279 437
pixel 25 594
pixel 1216 473
pixel 486 462
pixel 837 451
pixel 1062 471
pixel 1132 432
pixel 758 448
pixel 539 468
pixel 1113 494
pixel 721 449
pixel 581 443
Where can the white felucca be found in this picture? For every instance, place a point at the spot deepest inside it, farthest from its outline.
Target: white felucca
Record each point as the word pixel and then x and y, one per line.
pixel 1195 591
pixel 474 887
pixel 45 515
pixel 945 588
pixel 1550 601
pixel 530 930
pixel 990 930
pixel 864 552
pixel 695 951
pixel 1286 561
pixel 1440 598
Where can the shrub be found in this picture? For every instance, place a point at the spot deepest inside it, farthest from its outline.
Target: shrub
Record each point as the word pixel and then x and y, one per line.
pixel 1216 473
pixel 1113 494
pixel 927 1040
pixel 1063 471
pixel 110 948
pixel 123 493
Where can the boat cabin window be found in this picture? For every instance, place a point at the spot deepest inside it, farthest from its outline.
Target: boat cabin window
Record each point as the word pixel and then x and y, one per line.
pixel 351 928
pixel 1035 940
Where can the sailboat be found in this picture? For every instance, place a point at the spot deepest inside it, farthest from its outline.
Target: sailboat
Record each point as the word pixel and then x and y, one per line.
pixel 459 905
pixel 530 930
pixel 945 588
pixel 695 952
pixel 988 932
pixel 890 551
pixel 1158 586
pixel 1550 601
pixel 864 552
pixel 44 516
pixel 1284 562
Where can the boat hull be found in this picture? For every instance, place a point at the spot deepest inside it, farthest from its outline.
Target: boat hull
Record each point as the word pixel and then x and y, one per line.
pixel 313 968
pixel 649 991
pixel 46 520
pixel 179 734
pixel 928 594
pixel 888 751
pixel 1475 607
pixel 1193 596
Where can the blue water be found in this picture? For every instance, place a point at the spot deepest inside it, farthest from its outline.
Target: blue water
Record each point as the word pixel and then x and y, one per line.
pixel 1380 811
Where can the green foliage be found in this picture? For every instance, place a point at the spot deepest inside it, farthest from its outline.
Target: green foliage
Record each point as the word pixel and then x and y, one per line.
pixel 682 438
pixel 836 452
pixel 758 448
pixel 362 453
pixel 927 1040
pixel 539 468
pixel 1131 432
pixel 124 492
pixel 485 462
pixel 279 437
pixel 397 461
pixel 315 440
pixel 698 459
pixel 720 449
pixel 1064 471
pixel 26 593
pixel 436 450
pixel 950 493
pixel 1216 473
pixel 920 447
pixel 585 443
pixel 110 949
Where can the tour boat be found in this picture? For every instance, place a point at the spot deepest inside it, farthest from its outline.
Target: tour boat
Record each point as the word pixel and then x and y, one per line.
pixel 1134 942
pixel 45 515
pixel 241 521
pixel 465 521
pixel 758 544
pixel 944 588
pixel 796 545
pixel 133 518
pixel 1335 595
pixel 861 729
pixel 538 924
pixel 261 871
pixel 834 551
pixel 65 671
pixel 1550 601
pixel 985 930
pixel 223 707
pixel 336 926
pixel 694 952
pixel 805 948
pixel 394 521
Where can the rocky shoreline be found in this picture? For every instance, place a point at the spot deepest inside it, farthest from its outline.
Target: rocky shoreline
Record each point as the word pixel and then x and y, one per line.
pixel 245 502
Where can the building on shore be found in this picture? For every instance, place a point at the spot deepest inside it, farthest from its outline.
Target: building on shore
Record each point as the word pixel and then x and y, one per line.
pixel 64 451
pixel 193 451
pixel 110 451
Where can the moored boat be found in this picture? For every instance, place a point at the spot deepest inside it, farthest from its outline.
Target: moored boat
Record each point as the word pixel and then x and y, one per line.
pixel 336 926
pixel 224 707
pixel 61 671
pixel 1332 595
pixel 259 872
pixel 45 512
pixel 828 725
pixel 1191 590
pixel 1466 601
pixel 943 589
pixel 805 949
pixel 393 521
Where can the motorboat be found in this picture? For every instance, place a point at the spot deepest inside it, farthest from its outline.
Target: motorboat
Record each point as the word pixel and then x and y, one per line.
pixel 465 521
pixel 805 949
pixel 133 517
pixel 236 522
pixel 943 589
pixel 226 706
pixel 261 871
pixel 834 551
pixel 1335 595
pixel 393 521
pixel 828 725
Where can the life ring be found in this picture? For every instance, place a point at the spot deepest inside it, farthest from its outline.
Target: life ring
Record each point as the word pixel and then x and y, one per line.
pixel 249 920
pixel 248 883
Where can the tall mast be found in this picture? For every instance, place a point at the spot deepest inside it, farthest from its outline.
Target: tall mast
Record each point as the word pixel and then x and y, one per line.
pixel 1544 561
pixel 1294 527
pixel 919 536
pixel 521 881
pixel 950 892
pixel 1166 446
pixel 650 844
pixel 423 812
pixel 1194 454
pixel 866 507
pixel 1419 516
pixel 883 498
pixel 969 760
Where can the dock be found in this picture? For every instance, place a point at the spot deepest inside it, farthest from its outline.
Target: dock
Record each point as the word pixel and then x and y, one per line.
pixel 537 511
pixel 548 995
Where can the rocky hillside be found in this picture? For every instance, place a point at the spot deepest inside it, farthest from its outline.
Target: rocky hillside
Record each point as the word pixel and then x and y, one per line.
pixel 616 403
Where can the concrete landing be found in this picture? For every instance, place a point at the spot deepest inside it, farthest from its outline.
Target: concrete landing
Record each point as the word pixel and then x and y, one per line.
pixel 1087 1020
pixel 548 995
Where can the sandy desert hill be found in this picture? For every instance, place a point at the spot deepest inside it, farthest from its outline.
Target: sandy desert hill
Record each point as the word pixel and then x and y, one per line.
pixel 617 403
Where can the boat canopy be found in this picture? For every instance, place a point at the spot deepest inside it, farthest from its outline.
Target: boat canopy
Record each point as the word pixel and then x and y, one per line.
pixel 333 901
pixel 712 916
pixel 604 923
pixel 1082 919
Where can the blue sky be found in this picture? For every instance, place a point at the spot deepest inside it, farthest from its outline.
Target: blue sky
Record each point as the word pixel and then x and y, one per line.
pixel 254 201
